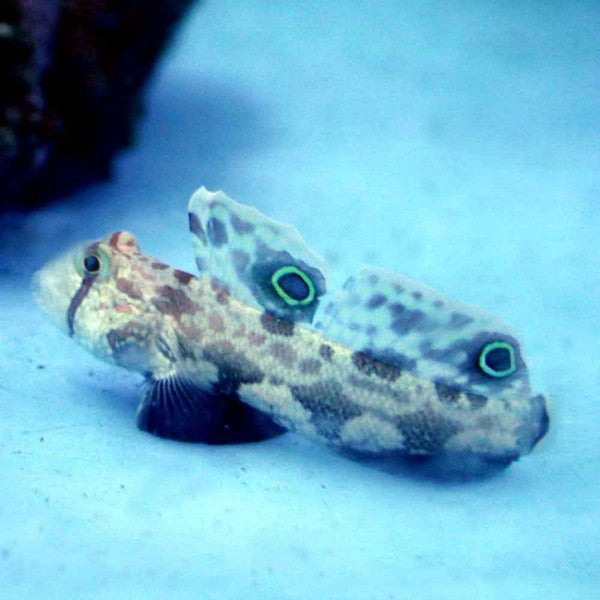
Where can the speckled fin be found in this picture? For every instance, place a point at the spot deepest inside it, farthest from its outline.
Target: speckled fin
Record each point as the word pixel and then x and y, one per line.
pixel 175 407
pixel 263 263
pixel 405 323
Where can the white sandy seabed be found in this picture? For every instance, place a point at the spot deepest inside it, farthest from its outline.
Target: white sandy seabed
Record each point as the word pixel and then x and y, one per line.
pixel 457 144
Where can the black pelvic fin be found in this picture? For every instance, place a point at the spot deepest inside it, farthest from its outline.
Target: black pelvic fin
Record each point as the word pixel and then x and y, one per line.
pixel 175 407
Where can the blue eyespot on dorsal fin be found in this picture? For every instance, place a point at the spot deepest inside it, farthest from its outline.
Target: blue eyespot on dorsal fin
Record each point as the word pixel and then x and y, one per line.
pixel 263 262
pixel 405 323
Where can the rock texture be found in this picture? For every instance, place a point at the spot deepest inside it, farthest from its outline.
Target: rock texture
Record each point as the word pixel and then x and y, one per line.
pixel 72 73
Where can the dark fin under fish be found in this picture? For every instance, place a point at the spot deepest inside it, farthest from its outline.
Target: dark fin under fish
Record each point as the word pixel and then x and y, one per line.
pixel 176 408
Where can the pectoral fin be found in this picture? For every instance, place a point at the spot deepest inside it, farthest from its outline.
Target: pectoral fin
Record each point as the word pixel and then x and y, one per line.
pixel 175 407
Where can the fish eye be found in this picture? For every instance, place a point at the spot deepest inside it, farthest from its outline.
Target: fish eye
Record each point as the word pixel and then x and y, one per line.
pixel 92 264
pixel 498 359
pixel 293 285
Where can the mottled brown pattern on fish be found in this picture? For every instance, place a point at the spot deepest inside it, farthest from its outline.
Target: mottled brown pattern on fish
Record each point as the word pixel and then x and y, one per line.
pixel 476 400
pixel 426 433
pixel 129 287
pixel 256 339
pixel 159 266
pixel 191 331
pixel 143 272
pixel 232 364
pixel 309 366
pixel 174 302
pixel 368 365
pixel 128 343
pixel 240 331
pixel 376 388
pixel 446 394
pixel 123 308
pixel 166 323
pixel 284 353
pixel 329 406
pixel 183 276
pixel 326 352
pixel 114 239
pixel 276 326
pixel 215 322
pixel 123 241
pixel 221 292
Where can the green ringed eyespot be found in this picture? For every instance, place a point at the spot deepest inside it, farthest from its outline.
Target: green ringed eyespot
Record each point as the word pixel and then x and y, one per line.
pixel 293 286
pixel 498 359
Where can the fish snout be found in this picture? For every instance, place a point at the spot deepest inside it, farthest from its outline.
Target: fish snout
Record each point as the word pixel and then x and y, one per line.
pixel 36 286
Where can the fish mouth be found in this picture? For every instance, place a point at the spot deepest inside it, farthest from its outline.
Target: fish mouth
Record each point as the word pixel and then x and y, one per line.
pixel 50 297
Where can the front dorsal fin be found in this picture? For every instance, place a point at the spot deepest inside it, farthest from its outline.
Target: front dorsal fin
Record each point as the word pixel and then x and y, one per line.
pixel 175 407
pixel 263 262
pixel 402 322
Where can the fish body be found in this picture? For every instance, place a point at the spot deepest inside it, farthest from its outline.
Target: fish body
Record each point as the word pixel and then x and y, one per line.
pixel 254 344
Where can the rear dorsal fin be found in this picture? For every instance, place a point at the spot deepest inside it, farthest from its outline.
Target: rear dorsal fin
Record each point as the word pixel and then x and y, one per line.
pixel 405 323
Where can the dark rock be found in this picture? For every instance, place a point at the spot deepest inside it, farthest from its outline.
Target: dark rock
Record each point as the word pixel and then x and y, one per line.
pixel 72 76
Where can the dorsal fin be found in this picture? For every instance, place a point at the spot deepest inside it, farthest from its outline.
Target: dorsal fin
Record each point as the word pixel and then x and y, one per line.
pixel 405 323
pixel 263 262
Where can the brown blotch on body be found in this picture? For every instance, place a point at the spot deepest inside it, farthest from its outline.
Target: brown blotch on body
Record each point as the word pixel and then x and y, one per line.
pixel 446 394
pixel 221 292
pixel 183 276
pixel 371 366
pixel 123 308
pixel 128 344
pixel 240 331
pixel 381 389
pixel 174 302
pixel 114 239
pixel 159 266
pixel 284 353
pixel 326 352
pixel 425 432
pixel 476 400
pixel 122 241
pixel 310 366
pixel 128 287
pixel 256 339
pixel 143 272
pixel 330 408
pixel 276 325
pixel 215 322
pixel 234 366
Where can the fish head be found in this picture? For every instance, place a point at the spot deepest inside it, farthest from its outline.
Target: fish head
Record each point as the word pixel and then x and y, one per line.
pixel 103 294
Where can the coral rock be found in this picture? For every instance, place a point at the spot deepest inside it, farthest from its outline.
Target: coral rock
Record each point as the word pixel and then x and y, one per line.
pixel 73 74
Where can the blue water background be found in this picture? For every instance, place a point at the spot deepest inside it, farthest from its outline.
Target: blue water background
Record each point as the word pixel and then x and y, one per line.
pixel 456 143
